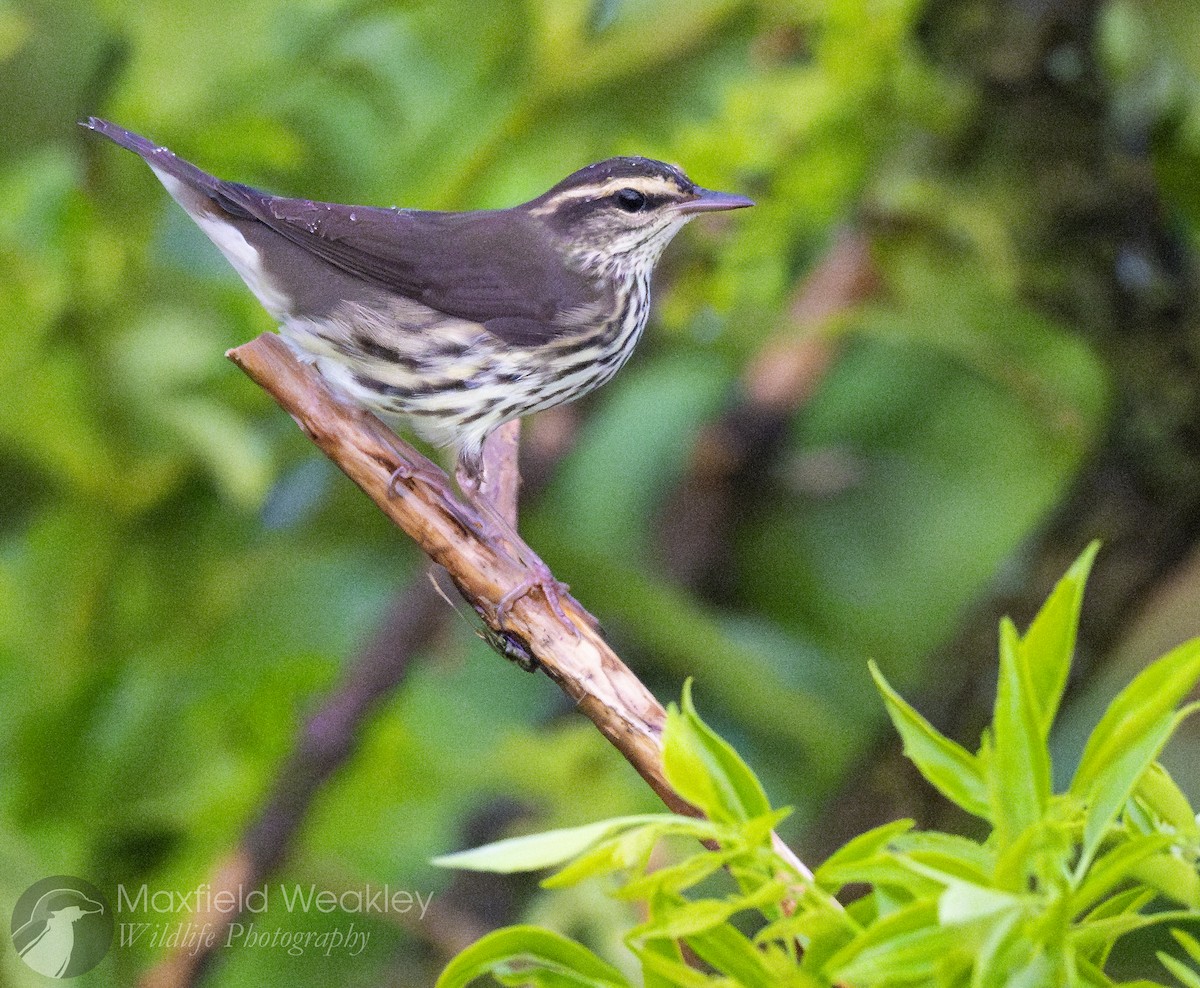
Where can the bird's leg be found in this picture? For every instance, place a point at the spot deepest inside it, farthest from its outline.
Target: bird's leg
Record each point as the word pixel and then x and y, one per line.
pixel 428 473
pixel 499 471
pixel 473 480
pixel 539 578
pixel 490 523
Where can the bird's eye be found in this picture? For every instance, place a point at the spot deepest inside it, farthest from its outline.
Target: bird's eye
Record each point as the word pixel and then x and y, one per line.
pixel 630 200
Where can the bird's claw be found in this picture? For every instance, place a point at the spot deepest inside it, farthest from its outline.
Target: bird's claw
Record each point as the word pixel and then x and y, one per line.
pixel 552 590
pixel 407 471
pixel 438 481
pixel 490 524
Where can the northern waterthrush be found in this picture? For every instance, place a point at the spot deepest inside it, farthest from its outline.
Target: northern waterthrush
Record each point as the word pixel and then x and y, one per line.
pixel 455 322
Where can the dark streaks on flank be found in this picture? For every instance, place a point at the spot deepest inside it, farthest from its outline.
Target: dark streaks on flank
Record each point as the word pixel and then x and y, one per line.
pixel 373 348
pixel 375 386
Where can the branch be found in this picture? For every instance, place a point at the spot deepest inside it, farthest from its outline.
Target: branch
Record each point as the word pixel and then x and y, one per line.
pixel 582 664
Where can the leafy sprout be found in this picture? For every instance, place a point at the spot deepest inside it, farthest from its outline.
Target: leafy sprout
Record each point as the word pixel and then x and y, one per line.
pixel 1042 900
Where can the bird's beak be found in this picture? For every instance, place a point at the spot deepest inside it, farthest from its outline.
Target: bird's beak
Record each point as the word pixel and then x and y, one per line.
pixel 707 201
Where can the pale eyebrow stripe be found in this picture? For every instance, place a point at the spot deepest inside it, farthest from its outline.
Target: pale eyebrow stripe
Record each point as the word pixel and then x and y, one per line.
pixel 650 186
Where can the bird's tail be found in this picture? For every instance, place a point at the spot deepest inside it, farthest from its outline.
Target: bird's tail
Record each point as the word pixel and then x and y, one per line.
pixel 156 156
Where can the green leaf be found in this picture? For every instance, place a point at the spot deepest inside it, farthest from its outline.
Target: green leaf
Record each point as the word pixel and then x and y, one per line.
pixel 1188 977
pixel 905 946
pixel 757 831
pixel 1115 782
pixel 676 878
pixel 949 767
pixel 722 946
pixel 916 915
pixel 626 851
pixel 686 918
pixel 729 951
pixel 824 930
pixel 1088 974
pixel 932 847
pixel 602 859
pixel 946 867
pixel 1130 901
pixel 542 977
pixel 1091 934
pixel 1041 853
pixel 1137 709
pixel 1048 646
pixel 1172 876
pixel 538 948
pixel 990 968
pixel 1127 903
pixel 762 896
pixel 1114 867
pixel 1018 765
pixel 673 973
pixel 683 917
pixel 663 966
pixel 1188 943
pixel 1166 801
pixel 888 873
pixel 705 770
pixel 860 848
pixel 965 902
pixel 963 899
pixel 536 851
pixel 1033 965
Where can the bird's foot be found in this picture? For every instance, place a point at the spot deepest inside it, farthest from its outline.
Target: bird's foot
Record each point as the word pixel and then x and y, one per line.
pixel 540 578
pixel 494 527
pixel 426 473
pixel 429 475
pixel 501 533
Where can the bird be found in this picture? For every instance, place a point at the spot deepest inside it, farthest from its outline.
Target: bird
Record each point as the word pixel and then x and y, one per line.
pixel 451 323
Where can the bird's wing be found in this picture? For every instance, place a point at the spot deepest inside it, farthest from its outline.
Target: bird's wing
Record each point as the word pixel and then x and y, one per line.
pixel 492 267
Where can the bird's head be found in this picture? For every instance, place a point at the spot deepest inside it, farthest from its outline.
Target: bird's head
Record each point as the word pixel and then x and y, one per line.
pixel 622 212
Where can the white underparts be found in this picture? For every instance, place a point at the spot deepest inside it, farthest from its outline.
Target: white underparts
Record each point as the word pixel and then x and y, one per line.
pixel 230 242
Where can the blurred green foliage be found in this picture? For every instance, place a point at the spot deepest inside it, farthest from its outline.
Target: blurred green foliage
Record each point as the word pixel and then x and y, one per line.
pixel 181 579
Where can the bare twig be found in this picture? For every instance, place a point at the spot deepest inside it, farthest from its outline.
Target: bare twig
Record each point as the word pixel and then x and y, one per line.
pixel 581 663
